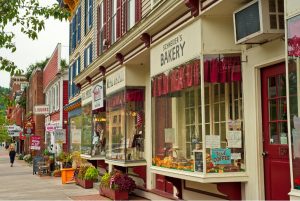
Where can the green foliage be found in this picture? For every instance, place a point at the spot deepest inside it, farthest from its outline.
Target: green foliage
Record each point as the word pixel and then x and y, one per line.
pixel 4 103
pixel 28 158
pixel 29 16
pixel 82 170
pixel 32 67
pixel 91 174
pixel 46 152
pixel 105 180
pixel 22 102
pixel 20 157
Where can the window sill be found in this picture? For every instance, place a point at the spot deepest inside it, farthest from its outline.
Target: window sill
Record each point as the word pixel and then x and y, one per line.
pixel 89 157
pixel 126 163
pixel 294 194
pixel 201 177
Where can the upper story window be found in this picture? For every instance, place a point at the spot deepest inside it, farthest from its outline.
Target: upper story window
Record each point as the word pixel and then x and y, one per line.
pixel 88 55
pixel 73 72
pixel 131 14
pixel 101 28
pixel 113 21
pixel 75 30
pixel 88 15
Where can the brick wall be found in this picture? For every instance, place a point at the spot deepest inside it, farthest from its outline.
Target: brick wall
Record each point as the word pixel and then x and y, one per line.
pixel 51 69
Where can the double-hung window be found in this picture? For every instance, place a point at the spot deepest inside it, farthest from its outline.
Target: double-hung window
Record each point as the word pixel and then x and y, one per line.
pixel 131 14
pixel 113 21
pixel 101 28
pixel 88 15
pixel 78 24
pixel 88 55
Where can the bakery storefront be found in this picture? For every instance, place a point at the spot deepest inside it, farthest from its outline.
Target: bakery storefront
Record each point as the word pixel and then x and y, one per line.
pixel 197 112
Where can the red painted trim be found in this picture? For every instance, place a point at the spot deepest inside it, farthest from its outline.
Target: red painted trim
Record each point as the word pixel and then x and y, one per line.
pixel 193 5
pixel 231 189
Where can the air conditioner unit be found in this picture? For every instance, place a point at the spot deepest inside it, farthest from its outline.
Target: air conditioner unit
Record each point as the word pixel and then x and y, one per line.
pixel 259 21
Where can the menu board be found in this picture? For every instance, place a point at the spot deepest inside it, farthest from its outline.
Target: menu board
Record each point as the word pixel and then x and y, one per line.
pixel 198 156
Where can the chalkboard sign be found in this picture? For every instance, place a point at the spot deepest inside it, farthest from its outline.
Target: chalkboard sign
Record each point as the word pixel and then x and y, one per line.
pixel 198 156
pixel 247 21
pixel 35 163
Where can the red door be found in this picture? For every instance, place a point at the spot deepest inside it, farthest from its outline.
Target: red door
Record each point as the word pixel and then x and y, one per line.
pixel 275 134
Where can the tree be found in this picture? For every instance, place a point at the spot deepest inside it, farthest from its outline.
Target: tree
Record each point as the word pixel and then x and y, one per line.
pixel 29 16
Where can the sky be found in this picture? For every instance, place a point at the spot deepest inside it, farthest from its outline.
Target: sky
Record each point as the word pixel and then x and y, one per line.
pixel 29 51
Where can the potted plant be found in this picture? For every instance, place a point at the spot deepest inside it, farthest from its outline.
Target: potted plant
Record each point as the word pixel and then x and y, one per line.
pixel 80 176
pixel 116 186
pixel 67 172
pixel 57 173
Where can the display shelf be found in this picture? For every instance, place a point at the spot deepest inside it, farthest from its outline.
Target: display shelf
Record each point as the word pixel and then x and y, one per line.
pixel 201 177
pixel 89 157
pixel 127 163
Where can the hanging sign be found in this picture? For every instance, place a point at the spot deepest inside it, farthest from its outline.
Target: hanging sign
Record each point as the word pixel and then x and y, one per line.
pixel 221 156
pixel 60 136
pixel 86 96
pixel 35 142
pixel 50 128
pixel 97 96
pixel 41 109
pixel 29 128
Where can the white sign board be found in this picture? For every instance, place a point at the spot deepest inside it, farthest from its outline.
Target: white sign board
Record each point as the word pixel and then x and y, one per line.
pixel 50 128
pixel 97 96
pixel 14 130
pixel 41 109
pixel 212 141
pixel 86 96
pixel 234 139
pixel 176 49
pixel 60 136
pixel 115 81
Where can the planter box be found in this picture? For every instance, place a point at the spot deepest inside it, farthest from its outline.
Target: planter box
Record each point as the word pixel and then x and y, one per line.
pixel 67 175
pixel 84 183
pixel 114 195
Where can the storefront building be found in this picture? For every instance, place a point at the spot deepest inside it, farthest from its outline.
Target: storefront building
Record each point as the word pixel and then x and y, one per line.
pixel 195 107
pixel 55 85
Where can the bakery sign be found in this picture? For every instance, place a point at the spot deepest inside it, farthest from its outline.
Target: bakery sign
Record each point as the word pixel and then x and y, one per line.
pixel 41 109
pixel 176 49
pixel 115 81
pixel 97 96
pixel 86 96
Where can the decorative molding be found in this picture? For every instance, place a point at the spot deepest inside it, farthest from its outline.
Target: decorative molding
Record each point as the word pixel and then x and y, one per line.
pixel 120 57
pixel 78 85
pixel 146 38
pixel 89 79
pixel 193 5
pixel 102 70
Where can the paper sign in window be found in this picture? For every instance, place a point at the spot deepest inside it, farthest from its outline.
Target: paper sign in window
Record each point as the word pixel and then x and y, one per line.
pixel 234 139
pixel 212 141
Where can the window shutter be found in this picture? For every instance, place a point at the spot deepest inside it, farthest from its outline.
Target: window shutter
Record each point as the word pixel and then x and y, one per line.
pixel 79 25
pixel 108 22
pixel 90 13
pixel 85 16
pixel 70 39
pixel 73 76
pixel 78 66
pixel 73 33
pixel 119 18
pixel 124 16
pixel 98 30
pixel 85 57
pixel 70 83
pixel 138 10
pixel 91 53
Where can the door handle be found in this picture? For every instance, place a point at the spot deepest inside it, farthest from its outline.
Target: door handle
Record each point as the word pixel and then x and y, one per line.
pixel 265 153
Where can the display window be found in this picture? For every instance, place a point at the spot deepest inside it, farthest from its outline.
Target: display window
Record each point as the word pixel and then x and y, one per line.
pixel 75 133
pixel 199 128
pixel 99 138
pixel 293 81
pixel 125 125
pixel 86 131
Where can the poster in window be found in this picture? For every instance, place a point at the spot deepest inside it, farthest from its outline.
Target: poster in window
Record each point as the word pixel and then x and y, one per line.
pixel 221 156
pixel 170 135
pixel 234 139
pixel 198 156
pixel 212 141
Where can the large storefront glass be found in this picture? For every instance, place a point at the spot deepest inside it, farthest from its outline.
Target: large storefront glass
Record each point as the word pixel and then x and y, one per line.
pixel 125 124
pixel 75 133
pixel 86 142
pixel 189 117
pixel 294 80
pixel 99 137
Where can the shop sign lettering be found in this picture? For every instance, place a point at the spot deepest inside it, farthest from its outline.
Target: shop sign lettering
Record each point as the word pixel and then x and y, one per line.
pixel 172 50
pixel 86 96
pixel 50 128
pixel 35 142
pixel 97 96
pixel 41 109
pixel 221 156
pixel 115 81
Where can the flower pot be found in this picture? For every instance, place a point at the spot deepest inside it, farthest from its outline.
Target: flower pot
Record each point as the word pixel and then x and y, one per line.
pixel 67 175
pixel 114 195
pixel 84 183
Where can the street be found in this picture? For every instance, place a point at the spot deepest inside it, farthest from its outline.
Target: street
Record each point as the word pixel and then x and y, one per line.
pixel 18 183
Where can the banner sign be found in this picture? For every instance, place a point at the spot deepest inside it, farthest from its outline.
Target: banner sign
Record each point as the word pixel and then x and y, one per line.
pixel 60 136
pixel 50 128
pixel 97 96
pixel 35 142
pixel 41 109
pixel 221 156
